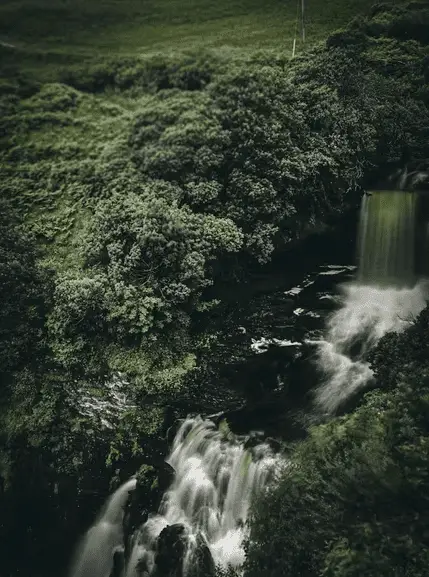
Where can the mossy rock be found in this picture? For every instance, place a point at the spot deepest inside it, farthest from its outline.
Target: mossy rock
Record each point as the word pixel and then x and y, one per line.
pixel 171 551
pixel 147 478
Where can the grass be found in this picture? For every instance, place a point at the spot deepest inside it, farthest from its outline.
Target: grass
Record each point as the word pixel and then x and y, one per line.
pixel 46 34
pixel 51 191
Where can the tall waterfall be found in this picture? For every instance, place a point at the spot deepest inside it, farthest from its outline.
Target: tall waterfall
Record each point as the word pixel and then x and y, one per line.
pixel 95 555
pixel 215 480
pixel 386 297
pixel 386 239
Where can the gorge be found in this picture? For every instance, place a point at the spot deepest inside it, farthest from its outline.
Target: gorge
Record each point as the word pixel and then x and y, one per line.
pixel 217 473
pixel 214 285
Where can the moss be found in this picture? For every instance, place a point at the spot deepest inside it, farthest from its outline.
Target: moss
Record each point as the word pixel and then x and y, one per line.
pixel 225 430
pixel 147 478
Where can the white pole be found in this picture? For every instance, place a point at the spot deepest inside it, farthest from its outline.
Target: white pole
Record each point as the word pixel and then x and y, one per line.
pixel 294 46
pixel 302 20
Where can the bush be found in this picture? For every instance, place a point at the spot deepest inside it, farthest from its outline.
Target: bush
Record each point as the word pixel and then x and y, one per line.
pixel 353 498
pixel 24 288
pixel 155 257
pixel 149 74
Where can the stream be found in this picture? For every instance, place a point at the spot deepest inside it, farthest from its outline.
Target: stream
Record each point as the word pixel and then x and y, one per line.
pixel 305 337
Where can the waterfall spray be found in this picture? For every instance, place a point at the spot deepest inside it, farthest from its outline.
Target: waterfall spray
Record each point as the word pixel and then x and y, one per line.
pixel 367 314
pixel 215 480
pixel 385 297
pixel 105 537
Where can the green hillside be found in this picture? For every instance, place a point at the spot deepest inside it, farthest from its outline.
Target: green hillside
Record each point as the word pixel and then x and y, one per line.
pixel 47 32
pixel 154 156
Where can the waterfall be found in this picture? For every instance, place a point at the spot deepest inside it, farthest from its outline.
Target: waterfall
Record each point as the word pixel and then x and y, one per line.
pixel 385 297
pixel 367 313
pixel 216 476
pixel 95 555
pixel 386 239
pixel 215 481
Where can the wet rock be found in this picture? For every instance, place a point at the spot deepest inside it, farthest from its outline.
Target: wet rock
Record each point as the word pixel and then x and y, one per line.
pixel 171 550
pixel 201 564
pixel 275 444
pixel 152 482
pixel 255 438
pixel 327 302
pixel 165 476
pixel 288 306
pixel 171 424
pixel 217 418
pixel 118 564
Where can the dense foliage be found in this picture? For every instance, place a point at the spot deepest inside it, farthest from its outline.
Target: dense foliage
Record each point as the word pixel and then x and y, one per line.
pixel 142 185
pixel 145 196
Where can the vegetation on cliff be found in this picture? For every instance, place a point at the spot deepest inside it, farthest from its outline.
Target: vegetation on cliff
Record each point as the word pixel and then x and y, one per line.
pixel 143 199
pixel 133 188
pixel 354 499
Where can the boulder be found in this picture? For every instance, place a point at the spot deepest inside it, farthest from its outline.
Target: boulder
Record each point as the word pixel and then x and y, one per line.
pixel 201 561
pixel 152 482
pixel 171 551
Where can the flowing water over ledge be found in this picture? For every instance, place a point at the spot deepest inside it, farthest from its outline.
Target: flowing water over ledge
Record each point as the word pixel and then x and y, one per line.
pixel 367 313
pixel 215 480
pixel 308 341
pixel 94 556
pixel 216 473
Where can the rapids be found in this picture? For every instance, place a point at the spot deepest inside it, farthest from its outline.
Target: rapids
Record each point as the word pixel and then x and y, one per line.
pixel 367 313
pixel 216 478
pixel 338 314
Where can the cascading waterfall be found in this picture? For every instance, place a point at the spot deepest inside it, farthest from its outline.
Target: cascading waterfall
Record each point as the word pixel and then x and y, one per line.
pixel 95 555
pixel 385 297
pixel 216 477
pixel 215 481
pixel 366 315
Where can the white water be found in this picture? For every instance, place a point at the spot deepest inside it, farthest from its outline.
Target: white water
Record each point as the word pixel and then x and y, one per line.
pixel 216 477
pixel 211 494
pixel 367 313
pixel 95 556
pixel 385 297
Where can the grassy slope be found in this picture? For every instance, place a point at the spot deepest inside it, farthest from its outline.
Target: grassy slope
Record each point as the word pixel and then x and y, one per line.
pixel 54 144
pixel 53 32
